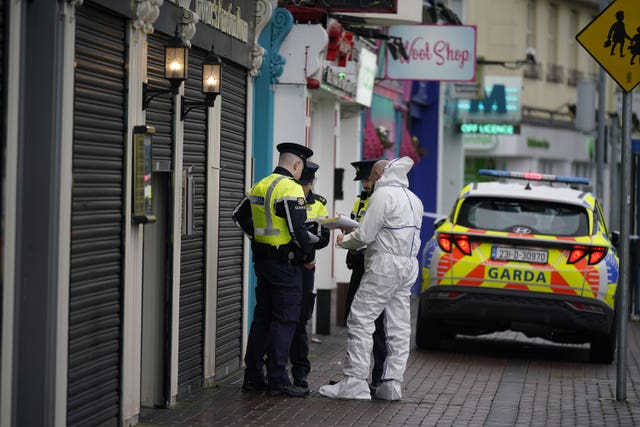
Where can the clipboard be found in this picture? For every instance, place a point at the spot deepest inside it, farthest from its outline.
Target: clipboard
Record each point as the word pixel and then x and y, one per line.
pixel 339 221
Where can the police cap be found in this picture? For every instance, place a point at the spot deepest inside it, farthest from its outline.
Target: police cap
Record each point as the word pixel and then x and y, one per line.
pixel 309 172
pixel 299 150
pixel 363 168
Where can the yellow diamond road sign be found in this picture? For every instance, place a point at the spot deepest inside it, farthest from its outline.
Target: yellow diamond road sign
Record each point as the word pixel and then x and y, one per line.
pixel 613 39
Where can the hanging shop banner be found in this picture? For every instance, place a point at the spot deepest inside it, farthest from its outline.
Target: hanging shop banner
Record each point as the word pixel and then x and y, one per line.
pixel 366 77
pixel 431 52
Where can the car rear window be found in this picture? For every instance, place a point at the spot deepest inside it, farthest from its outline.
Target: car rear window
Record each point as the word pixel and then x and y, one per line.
pixel 511 215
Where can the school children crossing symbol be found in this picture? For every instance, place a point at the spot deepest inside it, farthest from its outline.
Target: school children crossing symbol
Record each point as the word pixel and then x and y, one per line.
pixel 613 39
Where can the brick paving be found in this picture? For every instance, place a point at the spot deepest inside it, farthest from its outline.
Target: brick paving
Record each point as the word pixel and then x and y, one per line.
pixel 497 380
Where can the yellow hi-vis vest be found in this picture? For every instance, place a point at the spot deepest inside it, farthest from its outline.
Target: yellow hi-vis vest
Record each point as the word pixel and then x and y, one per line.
pixel 317 209
pixel 358 214
pixel 269 228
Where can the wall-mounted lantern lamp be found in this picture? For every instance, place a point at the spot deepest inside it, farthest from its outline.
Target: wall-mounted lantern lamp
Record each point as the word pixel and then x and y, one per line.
pixel 211 84
pixel 176 64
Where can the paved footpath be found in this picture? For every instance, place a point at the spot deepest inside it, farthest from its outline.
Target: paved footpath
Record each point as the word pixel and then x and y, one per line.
pixel 497 380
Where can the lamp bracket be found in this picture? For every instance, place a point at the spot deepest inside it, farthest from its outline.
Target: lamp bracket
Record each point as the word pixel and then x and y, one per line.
pixel 148 93
pixel 186 106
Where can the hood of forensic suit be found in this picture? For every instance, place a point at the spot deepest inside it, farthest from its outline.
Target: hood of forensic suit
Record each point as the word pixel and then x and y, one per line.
pixel 395 173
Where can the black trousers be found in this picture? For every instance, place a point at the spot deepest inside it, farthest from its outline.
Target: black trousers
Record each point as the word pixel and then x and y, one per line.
pixel 379 337
pixel 299 353
pixel 277 312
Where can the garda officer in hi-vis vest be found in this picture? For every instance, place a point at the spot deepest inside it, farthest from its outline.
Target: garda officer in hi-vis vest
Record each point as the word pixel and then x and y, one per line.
pixel 273 215
pixel 299 354
pixel 355 262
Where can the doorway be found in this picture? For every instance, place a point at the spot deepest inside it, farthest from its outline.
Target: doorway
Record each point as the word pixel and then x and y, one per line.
pixel 155 294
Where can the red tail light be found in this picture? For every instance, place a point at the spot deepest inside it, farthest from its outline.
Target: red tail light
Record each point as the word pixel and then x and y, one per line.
pixel 595 253
pixel 446 242
pixel 462 242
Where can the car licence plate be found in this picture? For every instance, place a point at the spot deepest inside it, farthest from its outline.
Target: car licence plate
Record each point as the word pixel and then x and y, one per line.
pixel 516 254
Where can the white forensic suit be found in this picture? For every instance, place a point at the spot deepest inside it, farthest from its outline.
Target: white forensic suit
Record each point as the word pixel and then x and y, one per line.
pixel 391 232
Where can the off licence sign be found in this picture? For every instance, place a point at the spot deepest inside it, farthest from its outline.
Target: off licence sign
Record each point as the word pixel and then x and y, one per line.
pixel 613 39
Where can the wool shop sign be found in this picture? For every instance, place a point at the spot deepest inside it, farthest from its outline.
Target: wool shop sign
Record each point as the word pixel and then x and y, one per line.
pixel 434 52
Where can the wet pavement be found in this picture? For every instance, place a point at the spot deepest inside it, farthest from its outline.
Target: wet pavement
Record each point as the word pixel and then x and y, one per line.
pixel 502 379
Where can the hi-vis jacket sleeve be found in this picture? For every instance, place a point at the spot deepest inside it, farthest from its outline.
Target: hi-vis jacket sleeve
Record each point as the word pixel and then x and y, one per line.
pixel 242 216
pixel 296 215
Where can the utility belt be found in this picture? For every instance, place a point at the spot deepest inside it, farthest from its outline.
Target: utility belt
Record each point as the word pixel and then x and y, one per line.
pixel 284 253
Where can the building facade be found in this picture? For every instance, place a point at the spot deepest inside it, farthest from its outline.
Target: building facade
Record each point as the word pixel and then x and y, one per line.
pixel 527 118
pixel 104 310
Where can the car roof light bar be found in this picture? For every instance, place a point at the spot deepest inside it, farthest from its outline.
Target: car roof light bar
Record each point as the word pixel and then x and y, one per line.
pixel 533 176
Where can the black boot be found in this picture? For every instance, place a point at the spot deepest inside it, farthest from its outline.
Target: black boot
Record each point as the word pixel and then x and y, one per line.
pixel 288 390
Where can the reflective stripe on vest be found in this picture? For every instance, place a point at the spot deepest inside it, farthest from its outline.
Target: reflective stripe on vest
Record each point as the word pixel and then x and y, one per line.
pixel 268 230
pixel 268 227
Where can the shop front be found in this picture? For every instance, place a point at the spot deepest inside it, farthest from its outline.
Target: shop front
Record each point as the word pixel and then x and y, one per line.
pixel 144 296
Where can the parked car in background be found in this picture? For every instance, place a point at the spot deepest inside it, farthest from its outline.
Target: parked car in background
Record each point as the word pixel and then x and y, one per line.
pixel 533 256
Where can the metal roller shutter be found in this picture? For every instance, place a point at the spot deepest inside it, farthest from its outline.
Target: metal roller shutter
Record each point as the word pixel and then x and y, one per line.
pixel 97 215
pixel 3 147
pixel 159 111
pixel 192 261
pixel 232 175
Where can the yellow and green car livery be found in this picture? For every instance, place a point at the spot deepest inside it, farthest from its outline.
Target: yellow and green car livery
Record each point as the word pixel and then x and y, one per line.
pixel 532 256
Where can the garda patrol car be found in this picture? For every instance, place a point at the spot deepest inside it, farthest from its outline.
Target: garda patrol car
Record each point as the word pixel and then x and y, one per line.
pixel 533 256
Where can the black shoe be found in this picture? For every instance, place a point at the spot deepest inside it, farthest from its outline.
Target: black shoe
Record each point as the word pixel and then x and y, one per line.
pixel 300 382
pixel 254 386
pixel 289 390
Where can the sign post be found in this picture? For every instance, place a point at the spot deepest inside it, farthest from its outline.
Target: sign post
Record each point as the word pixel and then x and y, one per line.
pixel 605 38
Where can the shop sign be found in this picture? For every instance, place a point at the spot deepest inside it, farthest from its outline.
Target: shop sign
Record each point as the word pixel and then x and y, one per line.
pixel 500 107
pixel 332 80
pixel 538 143
pixel 465 90
pixel 434 52
pixel 228 21
pixel 488 128
pixel 367 70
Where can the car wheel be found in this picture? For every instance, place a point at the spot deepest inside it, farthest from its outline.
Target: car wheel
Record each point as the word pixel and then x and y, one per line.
pixel 603 348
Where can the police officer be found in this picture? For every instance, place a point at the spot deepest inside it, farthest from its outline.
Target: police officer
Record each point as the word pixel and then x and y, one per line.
pixel 273 215
pixel 355 262
pixel 299 354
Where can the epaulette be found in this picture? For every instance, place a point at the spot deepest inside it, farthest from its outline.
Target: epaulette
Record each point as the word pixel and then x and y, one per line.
pixel 320 199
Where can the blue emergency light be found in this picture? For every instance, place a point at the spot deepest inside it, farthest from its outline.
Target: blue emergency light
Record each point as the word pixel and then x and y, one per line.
pixel 534 176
